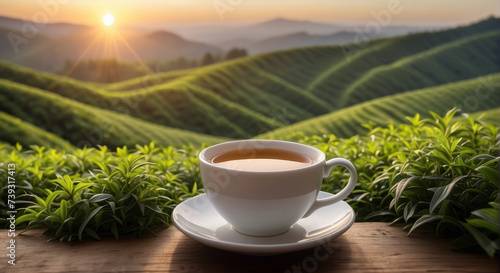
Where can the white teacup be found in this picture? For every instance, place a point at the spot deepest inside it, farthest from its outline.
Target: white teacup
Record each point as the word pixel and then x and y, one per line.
pixel 268 203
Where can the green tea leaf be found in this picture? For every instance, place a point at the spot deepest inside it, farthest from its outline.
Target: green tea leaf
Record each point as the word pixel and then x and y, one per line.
pixel 464 242
pixel 68 184
pixel 100 197
pixel 495 205
pixel 400 187
pixel 486 244
pixel 195 189
pixel 490 173
pixel 50 198
pixel 81 186
pixel 25 218
pixel 408 213
pixel 442 193
pixel 424 219
pixel 480 223
pixel 86 221
pixel 114 230
pixel 378 214
pixel 92 233
pixel 64 210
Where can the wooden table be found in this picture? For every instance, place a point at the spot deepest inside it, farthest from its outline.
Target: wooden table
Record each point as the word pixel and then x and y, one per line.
pixel 365 247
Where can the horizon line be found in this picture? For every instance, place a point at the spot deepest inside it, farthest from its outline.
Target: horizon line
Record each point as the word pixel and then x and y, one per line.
pixel 251 23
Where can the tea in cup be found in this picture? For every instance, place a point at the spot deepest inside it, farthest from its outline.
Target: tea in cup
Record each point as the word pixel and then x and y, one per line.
pixel 263 187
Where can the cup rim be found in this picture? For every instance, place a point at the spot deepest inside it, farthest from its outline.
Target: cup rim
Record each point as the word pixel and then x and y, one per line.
pixel 319 160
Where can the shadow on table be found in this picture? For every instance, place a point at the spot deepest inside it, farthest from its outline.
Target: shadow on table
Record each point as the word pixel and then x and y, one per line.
pixel 335 255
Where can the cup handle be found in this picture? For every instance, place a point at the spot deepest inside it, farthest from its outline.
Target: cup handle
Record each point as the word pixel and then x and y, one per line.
pixel 343 193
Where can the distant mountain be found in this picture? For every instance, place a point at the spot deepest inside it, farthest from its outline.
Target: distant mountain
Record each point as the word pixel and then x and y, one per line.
pixel 48 53
pixel 46 47
pixel 285 26
pixel 54 29
pixel 304 38
pixel 10 40
pixel 301 39
pixel 281 26
pixel 220 35
pixel 258 37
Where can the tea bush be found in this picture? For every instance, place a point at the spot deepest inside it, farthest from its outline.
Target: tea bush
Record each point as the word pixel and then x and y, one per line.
pixel 95 192
pixel 437 171
pixel 441 172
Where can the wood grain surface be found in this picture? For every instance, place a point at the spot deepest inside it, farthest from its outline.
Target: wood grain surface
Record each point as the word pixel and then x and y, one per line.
pixel 365 247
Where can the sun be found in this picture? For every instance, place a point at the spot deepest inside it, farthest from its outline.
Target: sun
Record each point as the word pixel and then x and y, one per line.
pixel 108 19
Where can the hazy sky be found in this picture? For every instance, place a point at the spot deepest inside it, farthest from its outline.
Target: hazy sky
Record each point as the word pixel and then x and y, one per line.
pixel 154 12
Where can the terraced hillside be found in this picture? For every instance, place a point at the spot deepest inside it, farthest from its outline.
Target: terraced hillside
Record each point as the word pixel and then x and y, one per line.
pixel 450 62
pixel 252 95
pixel 185 107
pixel 139 83
pixel 473 95
pixel 491 116
pixel 334 82
pixel 15 131
pixel 84 125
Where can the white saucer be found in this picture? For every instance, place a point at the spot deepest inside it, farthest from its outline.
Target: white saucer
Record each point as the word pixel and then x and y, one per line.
pixel 198 220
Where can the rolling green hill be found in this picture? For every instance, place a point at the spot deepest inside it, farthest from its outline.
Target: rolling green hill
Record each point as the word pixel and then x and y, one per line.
pixel 296 83
pixel 147 80
pixel 183 107
pixel 465 58
pixel 84 125
pixel 491 116
pixel 356 62
pixel 15 131
pixel 252 95
pixel 473 95
pixel 184 104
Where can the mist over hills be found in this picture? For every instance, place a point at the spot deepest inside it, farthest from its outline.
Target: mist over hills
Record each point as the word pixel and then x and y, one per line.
pixel 52 29
pixel 46 47
pixel 19 45
pixel 220 35
pixel 229 36
pixel 301 39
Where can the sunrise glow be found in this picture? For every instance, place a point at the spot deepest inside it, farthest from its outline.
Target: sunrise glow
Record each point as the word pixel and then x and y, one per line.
pixel 108 19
